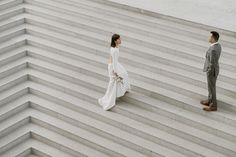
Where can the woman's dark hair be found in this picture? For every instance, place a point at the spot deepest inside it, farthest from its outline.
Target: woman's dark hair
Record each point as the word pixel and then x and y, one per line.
pixel 113 39
pixel 215 35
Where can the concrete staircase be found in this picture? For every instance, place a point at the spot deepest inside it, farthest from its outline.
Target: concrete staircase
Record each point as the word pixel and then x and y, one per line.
pixel 53 68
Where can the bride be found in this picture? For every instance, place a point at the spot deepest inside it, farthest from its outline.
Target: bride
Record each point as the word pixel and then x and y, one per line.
pixel 119 81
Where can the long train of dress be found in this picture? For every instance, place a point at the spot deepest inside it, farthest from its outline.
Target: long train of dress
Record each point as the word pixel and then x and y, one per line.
pixel 116 87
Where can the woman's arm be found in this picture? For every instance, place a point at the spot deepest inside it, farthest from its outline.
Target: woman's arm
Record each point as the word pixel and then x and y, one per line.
pixel 114 60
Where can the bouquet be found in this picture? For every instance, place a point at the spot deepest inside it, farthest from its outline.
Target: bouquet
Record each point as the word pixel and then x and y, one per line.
pixel 118 79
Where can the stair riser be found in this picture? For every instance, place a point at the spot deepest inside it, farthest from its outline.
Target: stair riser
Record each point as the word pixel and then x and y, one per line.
pixel 67 66
pixel 135 41
pixel 84 126
pixel 12 58
pixel 167 28
pixel 54 143
pixel 162 60
pixel 157 95
pixel 117 24
pixel 62 76
pixel 173 131
pixel 195 32
pixel 181 104
pixel 26 153
pixel 13 83
pixel 113 138
pixel 11 14
pixel 14 111
pixel 165 113
pixel 39 153
pixel 101 89
pixel 13 70
pixel 12 46
pixel 15 143
pixel 119 125
pixel 183 119
pixel 16 125
pixel 12 35
pixel 63 89
pixel 12 24
pixel 108 33
pixel 10 4
pixel 14 96
pixel 132 63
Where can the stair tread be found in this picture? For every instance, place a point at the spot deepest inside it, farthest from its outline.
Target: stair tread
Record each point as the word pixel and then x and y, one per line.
pixel 146 50
pixel 89 79
pixel 78 53
pixel 174 82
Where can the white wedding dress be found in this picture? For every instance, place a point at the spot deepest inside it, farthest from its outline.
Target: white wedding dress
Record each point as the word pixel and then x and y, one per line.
pixel 116 88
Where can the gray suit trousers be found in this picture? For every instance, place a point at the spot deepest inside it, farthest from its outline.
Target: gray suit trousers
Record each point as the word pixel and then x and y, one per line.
pixel 211 81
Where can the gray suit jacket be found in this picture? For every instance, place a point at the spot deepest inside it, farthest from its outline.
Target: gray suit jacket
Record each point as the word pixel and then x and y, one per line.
pixel 211 65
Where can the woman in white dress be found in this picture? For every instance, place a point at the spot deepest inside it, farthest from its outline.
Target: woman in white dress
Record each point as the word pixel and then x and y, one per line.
pixel 119 82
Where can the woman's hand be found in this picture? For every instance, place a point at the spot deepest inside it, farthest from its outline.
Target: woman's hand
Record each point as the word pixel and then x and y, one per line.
pixel 114 73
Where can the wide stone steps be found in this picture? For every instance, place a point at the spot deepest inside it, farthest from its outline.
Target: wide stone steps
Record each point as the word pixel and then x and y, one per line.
pixel 47 65
pixel 72 9
pixel 134 37
pixel 84 136
pixel 157 78
pixel 53 68
pixel 44 78
pixel 165 58
pixel 37 87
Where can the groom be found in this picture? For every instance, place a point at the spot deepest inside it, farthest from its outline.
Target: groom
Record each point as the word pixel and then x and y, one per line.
pixel 211 67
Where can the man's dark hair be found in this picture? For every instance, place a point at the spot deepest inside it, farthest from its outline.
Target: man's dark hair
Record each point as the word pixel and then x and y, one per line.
pixel 215 35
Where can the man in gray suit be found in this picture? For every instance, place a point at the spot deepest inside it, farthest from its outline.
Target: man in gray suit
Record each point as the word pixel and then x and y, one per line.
pixel 211 67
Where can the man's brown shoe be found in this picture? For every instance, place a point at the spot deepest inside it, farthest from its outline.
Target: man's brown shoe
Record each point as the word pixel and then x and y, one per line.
pixel 210 108
pixel 205 102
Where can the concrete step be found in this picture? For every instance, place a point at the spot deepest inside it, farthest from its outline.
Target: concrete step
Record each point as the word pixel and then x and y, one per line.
pixel 11 33
pixel 150 135
pixel 54 136
pixel 67 40
pixel 14 106
pixel 226 63
pixel 53 61
pixel 225 88
pixel 5 4
pixel 127 37
pixel 232 94
pixel 11 22
pixel 13 67
pixel 98 11
pixel 88 98
pixel 224 101
pixel 12 55
pixel 12 44
pixel 8 82
pixel 109 18
pixel 130 124
pixel 186 27
pixel 91 139
pixel 13 92
pixel 11 12
pixel 169 125
pixel 37 148
pixel 8 126
pixel 29 131
pixel 102 128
